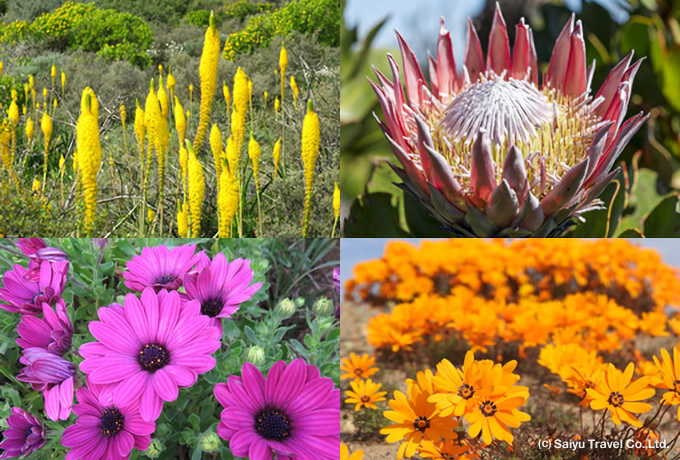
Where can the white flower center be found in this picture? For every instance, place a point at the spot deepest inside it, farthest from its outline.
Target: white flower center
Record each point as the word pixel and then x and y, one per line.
pixel 511 110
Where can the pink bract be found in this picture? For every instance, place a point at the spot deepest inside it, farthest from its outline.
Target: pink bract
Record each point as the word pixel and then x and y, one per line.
pixel 104 430
pixel 24 434
pixel 221 287
pixel 161 268
pixel 148 348
pixel 52 375
pixel 25 295
pixel 493 150
pixel 294 413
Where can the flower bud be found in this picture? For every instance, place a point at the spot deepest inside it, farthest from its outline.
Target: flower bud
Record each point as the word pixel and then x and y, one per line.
pixel 324 307
pixel 300 302
pixel 100 243
pixel 210 442
pixel 286 308
pixel 255 355
pixel 155 448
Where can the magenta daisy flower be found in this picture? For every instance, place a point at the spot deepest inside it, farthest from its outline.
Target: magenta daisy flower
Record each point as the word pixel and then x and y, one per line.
pixel 161 268
pixel 148 348
pixel 294 413
pixel 52 332
pixel 52 375
pixel 38 251
pixel 23 435
pixel 26 296
pixel 104 430
pixel 221 287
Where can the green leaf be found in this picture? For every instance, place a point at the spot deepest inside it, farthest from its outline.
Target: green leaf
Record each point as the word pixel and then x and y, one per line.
pixel 374 215
pixel 631 233
pixel 602 223
pixel 664 220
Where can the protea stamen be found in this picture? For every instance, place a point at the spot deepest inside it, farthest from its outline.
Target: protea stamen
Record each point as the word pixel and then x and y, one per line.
pixel 493 151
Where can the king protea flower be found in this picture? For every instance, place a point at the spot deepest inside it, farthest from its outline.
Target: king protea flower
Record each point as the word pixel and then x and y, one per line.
pixel 494 151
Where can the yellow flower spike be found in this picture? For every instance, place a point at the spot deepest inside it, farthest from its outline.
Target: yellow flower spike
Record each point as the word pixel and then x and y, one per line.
pixel 227 95
pixel 160 70
pixel 31 81
pixel 26 91
pixel 23 109
pixel 53 73
pixel 217 148
pixel 29 129
pixel 150 214
pixel 336 201
pixel 238 118
pixel 62 162
pixel 1 67
pixel 162 98
pixel 336 207
pixel 44 94
pixel 232 155
pixel 296 91
pixel 151 114
pixel 180 122
pixel 227 201
pixel 208 71
pixel 5 152
pixel 265 99
pixel 196 186
pixel 250 95
pixel 283 64
pixel 75 161
pixel 139 132
pixel 311 141
pixel 277 156
pixel 54 103
pixel 14 94
pixel 123 114
pixel 63 81
pixel 171 84
pixel 254 154
pixel 276 104
pixel 13 113
pixel 182 218
pixel 46 125
pixel 162 144
pixel 89 153
pixel 183 164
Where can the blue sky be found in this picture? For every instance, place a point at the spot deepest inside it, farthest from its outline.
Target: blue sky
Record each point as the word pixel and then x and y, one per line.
pixel 418 22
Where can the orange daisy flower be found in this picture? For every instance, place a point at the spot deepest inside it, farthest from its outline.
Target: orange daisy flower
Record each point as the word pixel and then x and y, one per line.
pixel 365 394
pixel 622 397
pixel 358 367
pixel 417 420
pixel 344 453
pixel 670 377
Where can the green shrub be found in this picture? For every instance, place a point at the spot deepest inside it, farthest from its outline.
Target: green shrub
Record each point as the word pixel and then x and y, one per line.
pixel 109 33
pixel 304 16
pixel 243 8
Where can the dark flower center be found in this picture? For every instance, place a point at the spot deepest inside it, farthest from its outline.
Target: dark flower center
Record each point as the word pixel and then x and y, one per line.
pixel 37 294
pixel 272 425
pixel 676 386
pixel 211 307
pixel 153 356
pixel 165 279
pixel 488 408
pixel 615 399
pixel 112 422
pixel 466 391
pixel 358 371
pixel 365 399
pixel 421 424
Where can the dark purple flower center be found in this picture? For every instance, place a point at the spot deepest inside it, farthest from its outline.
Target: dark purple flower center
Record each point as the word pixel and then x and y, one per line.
pixel 112 422
pixel 272 424
pixel 212 307
pixel 488 408
pixel 153 357
pixel 38 294
pixel 166 279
